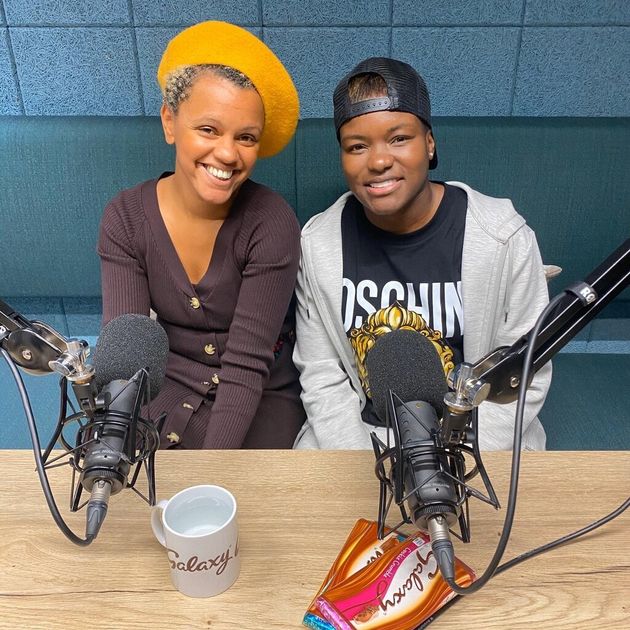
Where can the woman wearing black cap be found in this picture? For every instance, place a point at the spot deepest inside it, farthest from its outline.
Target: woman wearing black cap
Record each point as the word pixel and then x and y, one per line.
pixel 400 251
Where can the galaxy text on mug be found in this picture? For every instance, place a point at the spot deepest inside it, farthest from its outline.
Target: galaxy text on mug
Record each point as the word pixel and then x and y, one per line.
pixel 193 563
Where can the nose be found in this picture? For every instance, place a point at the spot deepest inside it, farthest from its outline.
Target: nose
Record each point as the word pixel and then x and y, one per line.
pixel 380 158
pixel 225 150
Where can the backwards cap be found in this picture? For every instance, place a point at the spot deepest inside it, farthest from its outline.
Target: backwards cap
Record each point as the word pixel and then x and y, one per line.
pixel 406 92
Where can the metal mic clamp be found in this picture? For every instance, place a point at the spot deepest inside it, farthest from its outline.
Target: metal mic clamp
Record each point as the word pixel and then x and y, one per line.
pixel 72 364
pixel 467 392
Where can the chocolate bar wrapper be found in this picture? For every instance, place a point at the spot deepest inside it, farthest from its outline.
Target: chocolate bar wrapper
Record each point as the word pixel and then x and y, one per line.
pixel 362 547
pixel 398 591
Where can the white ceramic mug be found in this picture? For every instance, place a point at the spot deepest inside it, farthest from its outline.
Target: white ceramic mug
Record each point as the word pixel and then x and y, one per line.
pixel 199 529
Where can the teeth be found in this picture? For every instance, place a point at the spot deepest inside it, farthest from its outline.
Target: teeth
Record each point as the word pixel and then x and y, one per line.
pixel 388 182
pixel 218 173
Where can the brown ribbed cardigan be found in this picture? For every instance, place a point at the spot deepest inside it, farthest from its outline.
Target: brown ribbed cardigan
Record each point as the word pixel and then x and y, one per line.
pixel 225 387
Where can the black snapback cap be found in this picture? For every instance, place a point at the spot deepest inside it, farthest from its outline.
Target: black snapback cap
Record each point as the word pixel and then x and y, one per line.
pixel 406 92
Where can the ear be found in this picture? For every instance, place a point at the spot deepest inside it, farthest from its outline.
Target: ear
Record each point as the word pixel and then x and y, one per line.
pixel 430 142
pixel 168 123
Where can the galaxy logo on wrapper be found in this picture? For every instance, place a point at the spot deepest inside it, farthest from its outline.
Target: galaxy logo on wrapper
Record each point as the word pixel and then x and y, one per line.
pixel 392 593
pixel 409 573
pixel 193 564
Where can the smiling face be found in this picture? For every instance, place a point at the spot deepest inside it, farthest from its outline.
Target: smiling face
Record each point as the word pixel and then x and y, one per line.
pixel 385 158
pixel 216 131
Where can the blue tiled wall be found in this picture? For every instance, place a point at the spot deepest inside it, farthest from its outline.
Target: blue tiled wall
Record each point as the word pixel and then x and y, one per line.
pixel 480 57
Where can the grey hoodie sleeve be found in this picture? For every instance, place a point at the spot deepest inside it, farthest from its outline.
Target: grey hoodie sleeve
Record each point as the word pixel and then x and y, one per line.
pixel 330 401
pixel 525 298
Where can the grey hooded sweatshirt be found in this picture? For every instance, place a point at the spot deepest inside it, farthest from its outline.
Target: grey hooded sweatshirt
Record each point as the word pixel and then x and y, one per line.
pixel 503 291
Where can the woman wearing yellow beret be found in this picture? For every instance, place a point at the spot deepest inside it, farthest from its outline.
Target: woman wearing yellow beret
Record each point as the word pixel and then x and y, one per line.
pixel 211 252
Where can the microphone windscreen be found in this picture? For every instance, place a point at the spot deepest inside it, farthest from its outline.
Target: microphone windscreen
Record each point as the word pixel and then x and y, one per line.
pixel 127 344
pixel 406 362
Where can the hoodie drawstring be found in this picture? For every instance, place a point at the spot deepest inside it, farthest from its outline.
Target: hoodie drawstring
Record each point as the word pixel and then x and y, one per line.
pixel 508 286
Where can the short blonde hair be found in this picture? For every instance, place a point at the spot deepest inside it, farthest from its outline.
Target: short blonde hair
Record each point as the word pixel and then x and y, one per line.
pixel 180 81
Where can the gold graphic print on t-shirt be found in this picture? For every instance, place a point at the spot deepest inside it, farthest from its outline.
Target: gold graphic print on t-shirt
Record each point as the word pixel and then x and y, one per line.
pixel 386 320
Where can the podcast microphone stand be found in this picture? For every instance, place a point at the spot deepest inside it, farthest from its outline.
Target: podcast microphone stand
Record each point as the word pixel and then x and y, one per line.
pixel 497 376
pixel 38 349
pixel 503 376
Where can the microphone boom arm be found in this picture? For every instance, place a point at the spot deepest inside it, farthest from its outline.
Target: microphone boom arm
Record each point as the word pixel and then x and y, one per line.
pixel 496 377
pixel 39 349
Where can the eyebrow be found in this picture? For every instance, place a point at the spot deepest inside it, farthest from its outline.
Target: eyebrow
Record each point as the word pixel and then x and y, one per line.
pixel 357 136
pixel 201 121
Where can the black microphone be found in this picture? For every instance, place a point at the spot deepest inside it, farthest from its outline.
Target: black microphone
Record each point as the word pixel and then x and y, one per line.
pixel 129 363
pixel 408 385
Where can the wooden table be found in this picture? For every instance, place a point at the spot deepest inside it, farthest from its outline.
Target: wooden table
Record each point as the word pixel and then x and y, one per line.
pixel 295 510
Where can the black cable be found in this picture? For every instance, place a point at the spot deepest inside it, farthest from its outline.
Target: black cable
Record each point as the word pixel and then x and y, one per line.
pixel 565 539
pixel 41 471
pixel 516 459
pixel 535 552
pixel 63 408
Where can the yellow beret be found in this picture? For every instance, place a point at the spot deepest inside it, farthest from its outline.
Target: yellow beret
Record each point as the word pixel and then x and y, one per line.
pixel 225 44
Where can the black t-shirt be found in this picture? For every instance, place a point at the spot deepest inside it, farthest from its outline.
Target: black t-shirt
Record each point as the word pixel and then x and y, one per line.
pixel 419 271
